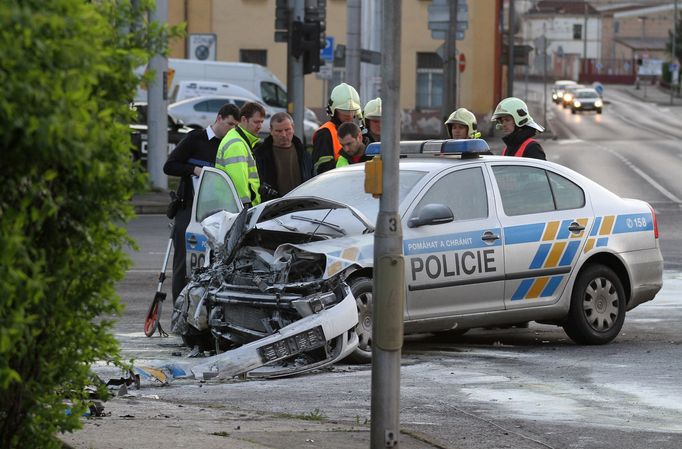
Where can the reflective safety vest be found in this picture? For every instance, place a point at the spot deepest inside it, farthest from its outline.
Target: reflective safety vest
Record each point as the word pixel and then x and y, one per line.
pixel 342 161
pixel 522 148
pixel 331 127
pixel 234 157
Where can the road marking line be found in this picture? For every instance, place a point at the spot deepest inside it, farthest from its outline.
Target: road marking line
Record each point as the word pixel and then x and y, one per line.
pixel 644 176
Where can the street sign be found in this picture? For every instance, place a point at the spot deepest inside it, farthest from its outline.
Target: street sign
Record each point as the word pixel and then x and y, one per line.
pixel 326 71
pixel 202 47
pixel 462 62
pixel 327 53
pixel 599 87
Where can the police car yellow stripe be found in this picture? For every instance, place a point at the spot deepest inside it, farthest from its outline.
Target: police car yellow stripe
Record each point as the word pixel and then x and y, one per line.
pixel 550 231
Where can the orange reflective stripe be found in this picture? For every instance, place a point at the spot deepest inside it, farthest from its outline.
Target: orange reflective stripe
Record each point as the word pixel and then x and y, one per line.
pixel 335 137
pixel 522 148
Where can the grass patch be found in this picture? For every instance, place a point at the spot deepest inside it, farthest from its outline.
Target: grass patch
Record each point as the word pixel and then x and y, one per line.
pixel 315 415
pixel 221 434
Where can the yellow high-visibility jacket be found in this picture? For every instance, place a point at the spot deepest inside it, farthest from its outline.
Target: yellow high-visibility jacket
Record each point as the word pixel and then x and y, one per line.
pixel 234 157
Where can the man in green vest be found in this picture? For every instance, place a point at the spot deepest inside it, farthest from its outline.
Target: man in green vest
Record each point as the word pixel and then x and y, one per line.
pixel 235 155
pixel 352 146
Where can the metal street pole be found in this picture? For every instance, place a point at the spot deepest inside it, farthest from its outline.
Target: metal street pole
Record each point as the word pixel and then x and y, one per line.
pixel 353 46
pixel 157 110
pixel 451 68
pixel 584 64
pixel 544 74
pixel 674 56
pixel 510 51
pixel 389 265
pixel 296 99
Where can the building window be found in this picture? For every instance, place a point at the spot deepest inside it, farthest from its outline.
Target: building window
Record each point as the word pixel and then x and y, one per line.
pixel 254 56
pixel 429 81
pixel 577 31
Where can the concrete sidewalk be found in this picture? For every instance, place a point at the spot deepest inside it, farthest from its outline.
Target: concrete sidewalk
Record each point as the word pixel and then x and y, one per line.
pixel 152 202
pixel 647 92
pixel 144 422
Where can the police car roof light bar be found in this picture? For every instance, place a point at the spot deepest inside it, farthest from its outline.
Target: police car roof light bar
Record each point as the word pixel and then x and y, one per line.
pixel 465 147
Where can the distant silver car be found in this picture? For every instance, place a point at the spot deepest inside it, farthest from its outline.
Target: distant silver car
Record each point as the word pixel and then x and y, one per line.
pixel 586 100
pixel 488 241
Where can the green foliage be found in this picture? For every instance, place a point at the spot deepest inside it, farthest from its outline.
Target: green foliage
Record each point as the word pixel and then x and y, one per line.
pixel 67 178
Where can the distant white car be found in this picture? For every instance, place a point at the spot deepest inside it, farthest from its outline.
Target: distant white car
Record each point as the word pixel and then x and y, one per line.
pixel 200 112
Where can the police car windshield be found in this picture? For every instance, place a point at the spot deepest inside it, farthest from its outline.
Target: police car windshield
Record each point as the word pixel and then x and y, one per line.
pixel 348 187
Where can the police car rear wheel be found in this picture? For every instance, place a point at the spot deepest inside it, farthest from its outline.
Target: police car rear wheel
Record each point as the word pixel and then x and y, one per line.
pixel 362 291
pixel 597 307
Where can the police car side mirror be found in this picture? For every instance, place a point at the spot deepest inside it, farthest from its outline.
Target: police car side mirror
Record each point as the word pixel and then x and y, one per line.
pixel 431 214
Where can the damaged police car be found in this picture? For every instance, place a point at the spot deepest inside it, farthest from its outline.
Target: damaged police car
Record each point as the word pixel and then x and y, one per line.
pixel 488 241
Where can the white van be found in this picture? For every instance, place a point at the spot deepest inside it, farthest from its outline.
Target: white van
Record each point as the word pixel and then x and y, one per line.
pixel 252 77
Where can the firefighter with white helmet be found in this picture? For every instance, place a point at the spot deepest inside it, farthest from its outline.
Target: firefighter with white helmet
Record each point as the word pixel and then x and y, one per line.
pixel 344 106
pixel 371 120
pixel 462 125
pixel 513 118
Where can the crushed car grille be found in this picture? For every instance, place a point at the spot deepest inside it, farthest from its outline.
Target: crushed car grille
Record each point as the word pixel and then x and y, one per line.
pixel 305 341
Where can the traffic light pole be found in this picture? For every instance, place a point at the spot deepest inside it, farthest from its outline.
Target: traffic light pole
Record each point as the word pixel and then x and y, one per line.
pixel 297 93
pixel 157 111
pixel 389 272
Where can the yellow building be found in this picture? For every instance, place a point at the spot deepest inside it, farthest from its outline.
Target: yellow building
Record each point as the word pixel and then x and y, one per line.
pixel 244 32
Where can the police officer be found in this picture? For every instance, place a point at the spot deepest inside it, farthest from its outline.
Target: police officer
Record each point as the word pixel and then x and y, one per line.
pixel 352 145
pixel 462 125
pixel 513 118
pixel 235 155
pixel 344 106
pixel 371 118
pixel 196 150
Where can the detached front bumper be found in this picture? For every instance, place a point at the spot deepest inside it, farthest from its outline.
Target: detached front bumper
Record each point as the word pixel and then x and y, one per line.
pixel 332 328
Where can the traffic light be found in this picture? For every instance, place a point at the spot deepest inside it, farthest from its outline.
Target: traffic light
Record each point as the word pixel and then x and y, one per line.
pixel 306 42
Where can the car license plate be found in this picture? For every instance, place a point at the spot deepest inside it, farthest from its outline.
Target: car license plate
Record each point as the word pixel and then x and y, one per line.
pixel 304 341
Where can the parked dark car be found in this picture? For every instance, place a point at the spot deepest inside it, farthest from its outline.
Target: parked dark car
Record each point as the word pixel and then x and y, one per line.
pixel 138 132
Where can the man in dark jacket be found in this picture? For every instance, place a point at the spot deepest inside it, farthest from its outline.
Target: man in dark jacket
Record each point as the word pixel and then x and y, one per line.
pixel 196 150
pixel 513 118
pixel 283 163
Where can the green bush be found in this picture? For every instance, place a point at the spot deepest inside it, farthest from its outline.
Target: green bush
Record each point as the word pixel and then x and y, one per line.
pixel 66 73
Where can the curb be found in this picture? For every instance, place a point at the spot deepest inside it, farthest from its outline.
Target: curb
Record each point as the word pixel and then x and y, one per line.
pixel 148 209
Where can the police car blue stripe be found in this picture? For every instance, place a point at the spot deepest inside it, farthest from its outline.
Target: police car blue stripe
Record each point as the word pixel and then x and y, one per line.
pixel 602 241
pixel 595 226
pixel 563 230
pixel 552 285
pixel 522 289
pixel 523 233
pixel 633 223
pixel 540 256
pixel 569 253
pixel 448 242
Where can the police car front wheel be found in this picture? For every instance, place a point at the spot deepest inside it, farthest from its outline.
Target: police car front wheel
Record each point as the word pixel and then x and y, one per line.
pixel 361 287
pixel 597 308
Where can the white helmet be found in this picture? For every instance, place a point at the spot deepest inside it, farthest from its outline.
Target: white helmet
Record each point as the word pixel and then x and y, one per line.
pixel 463 117
pixel 372 111
pixel 517 109
pixel 344 97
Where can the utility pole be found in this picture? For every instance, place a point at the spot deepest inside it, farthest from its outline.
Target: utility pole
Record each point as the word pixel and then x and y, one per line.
pixel 157 110
pixel 297 94
pixel 389 264
pixel 450 78
pixel 584 64
pixel 353 44
pixel 510 51
pixel 674 76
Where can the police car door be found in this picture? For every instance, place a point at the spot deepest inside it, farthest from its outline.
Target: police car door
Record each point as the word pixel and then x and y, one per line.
pixel 455 267
pixel 544 216
pixel 213 192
